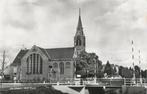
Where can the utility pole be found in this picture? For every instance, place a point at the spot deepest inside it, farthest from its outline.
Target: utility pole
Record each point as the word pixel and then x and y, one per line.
pixel 134 82
pixel 140 67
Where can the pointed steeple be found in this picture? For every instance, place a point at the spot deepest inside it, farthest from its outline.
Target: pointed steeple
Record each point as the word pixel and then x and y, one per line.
pixel 79 26
pixel 79 38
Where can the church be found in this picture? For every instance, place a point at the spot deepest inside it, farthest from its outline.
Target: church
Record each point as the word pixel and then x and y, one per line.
pixel 55 64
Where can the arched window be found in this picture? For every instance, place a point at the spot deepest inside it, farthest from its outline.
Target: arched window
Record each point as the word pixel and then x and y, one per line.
pixel 27 65
pixel 78 42
pixel 84 41
pixel 61 68
pixel 55 65
pixel 37 57
pixel 34 64
pixel 34 61
pixel 67 64
pixel 41 65
pixel 31 63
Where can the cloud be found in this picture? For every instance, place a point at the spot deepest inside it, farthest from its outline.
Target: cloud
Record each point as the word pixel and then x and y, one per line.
pixel 117 27
pixel 109 26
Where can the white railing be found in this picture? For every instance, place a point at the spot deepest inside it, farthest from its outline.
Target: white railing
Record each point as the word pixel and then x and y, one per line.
pixel 135 81
pixel 70 81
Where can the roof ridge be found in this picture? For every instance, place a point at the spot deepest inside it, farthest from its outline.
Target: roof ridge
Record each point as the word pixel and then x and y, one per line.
pixel 47 53
pixel 44 51
pixel 59 48
pixel 18 57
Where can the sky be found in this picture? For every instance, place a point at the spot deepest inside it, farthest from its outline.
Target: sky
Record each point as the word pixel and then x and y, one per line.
pixel 109 27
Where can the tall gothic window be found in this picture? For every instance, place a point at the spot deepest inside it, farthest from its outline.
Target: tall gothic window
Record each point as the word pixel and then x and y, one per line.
pixel 31 63
pixel 41 65
pixel 27 65
pixel 61 68
pixel 34 64
pixel 37 63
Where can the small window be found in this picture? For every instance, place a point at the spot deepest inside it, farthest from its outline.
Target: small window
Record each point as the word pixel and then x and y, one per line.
pixel 55 65
pixel 67 64
pixel 61 68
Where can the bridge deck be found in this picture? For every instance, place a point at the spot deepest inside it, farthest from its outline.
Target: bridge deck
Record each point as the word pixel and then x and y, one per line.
pixel 9 86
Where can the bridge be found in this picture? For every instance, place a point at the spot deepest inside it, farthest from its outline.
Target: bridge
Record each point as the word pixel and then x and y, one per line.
pixel 77 87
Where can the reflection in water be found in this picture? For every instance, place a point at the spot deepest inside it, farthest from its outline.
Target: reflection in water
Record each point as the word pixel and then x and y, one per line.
pixel 113 91
pixel 96 90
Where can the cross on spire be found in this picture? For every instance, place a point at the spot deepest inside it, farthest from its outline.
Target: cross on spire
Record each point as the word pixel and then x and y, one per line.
pixel 79 11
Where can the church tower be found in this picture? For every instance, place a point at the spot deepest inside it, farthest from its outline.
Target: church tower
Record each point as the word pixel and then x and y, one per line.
pixel 79 38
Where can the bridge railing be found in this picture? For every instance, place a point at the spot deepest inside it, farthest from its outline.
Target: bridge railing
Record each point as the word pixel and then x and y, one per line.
pixel 79 81
pixel 135 81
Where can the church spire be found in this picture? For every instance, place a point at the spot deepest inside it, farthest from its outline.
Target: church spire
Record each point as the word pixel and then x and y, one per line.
pixel 80 27
pixel 79 38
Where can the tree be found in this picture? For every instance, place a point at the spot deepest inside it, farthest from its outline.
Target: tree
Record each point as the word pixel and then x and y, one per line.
pixel 137 71
pixel 120 70
pixel 108 69
pixel 144 73
pixel 81 64
pixel 88 64
pixel 99 72
pixel 125 72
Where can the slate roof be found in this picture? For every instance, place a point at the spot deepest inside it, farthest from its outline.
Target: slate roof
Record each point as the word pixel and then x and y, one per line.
pixel 54 53
pixel 44 51
pixel 61 53
pixel 17 59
